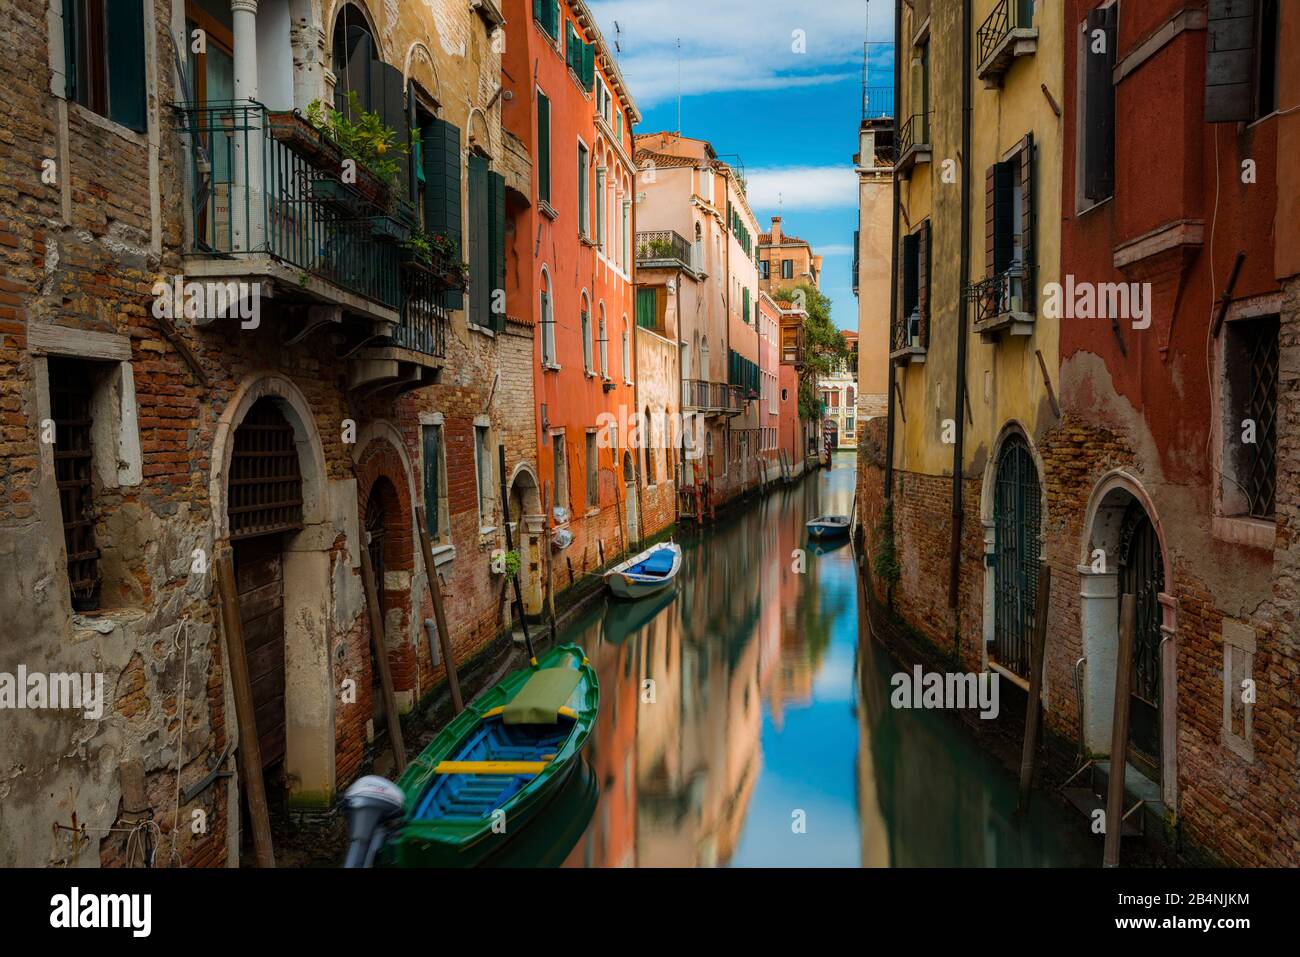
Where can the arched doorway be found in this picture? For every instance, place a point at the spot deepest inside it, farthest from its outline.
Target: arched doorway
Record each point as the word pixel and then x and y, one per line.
pixel 629 485
pixel 1142 575
pixel 1017 547
pixel 265 496
pixel 1124 554
pixel 526 516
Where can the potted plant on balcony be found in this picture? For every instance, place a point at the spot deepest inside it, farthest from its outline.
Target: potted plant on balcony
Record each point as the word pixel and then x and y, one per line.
pixel 307 140
pixel 438 254
pixel 362 137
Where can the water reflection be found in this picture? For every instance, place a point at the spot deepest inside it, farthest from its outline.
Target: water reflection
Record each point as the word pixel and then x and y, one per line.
pixel 746 721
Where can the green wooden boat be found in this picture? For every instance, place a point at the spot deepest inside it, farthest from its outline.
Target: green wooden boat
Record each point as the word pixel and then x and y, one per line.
pixel 495 767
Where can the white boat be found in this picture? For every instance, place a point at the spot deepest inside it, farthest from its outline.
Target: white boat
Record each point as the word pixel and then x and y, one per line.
pixel 828 526
pixel 645 574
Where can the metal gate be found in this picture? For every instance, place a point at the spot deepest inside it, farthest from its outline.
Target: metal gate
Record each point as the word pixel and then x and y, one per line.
pixel 1142 574
pixel 265 495
pixel 1017 547
pixel 70 407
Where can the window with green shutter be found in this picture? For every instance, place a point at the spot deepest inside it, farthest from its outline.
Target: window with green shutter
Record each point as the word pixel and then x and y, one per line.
pixel 104 52
pixel 547 15
pixel 442 173
pixel 480 260
pixel 543 147
pixel 584 228
pixel 497 248
pixel 647 309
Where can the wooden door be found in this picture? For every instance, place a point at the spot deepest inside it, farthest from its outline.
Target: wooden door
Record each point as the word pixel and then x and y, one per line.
pixel 259 582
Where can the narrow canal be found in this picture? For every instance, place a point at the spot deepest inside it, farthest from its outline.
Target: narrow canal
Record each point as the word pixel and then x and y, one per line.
pixel 745 720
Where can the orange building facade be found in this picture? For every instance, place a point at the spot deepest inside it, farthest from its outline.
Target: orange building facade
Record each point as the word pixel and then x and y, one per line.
pixel 570 265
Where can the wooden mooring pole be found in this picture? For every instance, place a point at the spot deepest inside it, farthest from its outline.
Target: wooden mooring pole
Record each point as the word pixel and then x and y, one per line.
pixel 1119 731
pixel 380 646
pixel 1037 647
pixel 250 752
pixel 439 614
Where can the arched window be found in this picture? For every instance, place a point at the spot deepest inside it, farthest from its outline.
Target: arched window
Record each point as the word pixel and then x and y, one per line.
pixel 586 332
pixel 603 344
pixel 697 252
pixel 546 318
pixel 352 49
pixel 704 359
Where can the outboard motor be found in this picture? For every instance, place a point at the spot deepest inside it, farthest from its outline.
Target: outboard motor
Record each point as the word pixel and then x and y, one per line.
pixel 373 804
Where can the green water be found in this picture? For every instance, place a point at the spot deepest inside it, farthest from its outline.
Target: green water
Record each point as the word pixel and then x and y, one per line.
pixel 746 721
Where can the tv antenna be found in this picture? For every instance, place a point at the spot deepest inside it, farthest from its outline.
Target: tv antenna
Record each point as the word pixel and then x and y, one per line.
pixel 679 86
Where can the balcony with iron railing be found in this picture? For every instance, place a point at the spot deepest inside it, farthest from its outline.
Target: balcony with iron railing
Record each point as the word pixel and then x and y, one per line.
pixel 268 202
pixel 1002 303
pixel 1007 33
pixel 700 395
pixel 914 143
pixel 664 249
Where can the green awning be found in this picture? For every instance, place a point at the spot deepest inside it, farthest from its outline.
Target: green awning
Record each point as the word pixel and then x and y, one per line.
pixel 539 701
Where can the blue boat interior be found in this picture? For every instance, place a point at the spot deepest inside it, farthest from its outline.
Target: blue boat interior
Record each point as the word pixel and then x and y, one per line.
pixel 658 565
pixel 472 797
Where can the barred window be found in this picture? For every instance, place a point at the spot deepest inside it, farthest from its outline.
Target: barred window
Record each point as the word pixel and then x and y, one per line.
pixel 1250 383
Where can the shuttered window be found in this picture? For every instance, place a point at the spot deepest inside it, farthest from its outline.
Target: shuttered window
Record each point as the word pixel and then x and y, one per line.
pixel 104 52
pixel 923 245
pixel 497 248
pixel 442 175
pixel 543 147
pixel 1010 226
pixel 647 311
pixel 1230 49
pixel 580 56
pixel 480 258
pixel 584 192
pixel 547 15
pixel 593 471
pixel 1098 129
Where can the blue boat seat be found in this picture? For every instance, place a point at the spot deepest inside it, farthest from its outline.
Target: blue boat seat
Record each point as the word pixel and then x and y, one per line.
pixel 657 565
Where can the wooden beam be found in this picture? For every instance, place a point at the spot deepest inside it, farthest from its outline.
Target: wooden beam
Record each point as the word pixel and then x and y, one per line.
pixel 381 660
pixel 250 752
pixel 1119 731
pixel 439 615
pixel 1037 647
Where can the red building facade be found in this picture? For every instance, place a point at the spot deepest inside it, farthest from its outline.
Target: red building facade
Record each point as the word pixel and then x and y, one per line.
pixel 571 262
pixel 1167 476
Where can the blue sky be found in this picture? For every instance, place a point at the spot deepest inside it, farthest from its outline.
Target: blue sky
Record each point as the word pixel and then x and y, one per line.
pixel 791 116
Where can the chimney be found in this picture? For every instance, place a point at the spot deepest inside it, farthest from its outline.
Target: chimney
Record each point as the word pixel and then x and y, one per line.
pixel 776 230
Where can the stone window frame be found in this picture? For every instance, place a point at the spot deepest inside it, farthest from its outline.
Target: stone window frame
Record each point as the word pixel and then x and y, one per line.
pixel 483 496
pixel 560 456
pixel 443 548
pixel 1235 528
pixel 1238 639
pixel 115 412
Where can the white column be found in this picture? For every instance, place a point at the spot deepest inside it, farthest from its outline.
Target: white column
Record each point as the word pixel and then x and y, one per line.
pixel 247 202
pixel 1099 611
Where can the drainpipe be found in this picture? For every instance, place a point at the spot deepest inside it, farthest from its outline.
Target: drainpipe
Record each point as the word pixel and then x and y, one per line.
pixel 893 254
pixel 954 569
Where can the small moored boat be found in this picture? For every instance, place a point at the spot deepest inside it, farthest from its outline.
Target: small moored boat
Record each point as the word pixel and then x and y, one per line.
pixel 829 526
pixel 650 572
pixel 496 766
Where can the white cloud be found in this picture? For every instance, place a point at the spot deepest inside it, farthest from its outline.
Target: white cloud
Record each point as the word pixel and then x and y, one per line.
pixel 803 187
pixel 738 44
pixel 833 249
